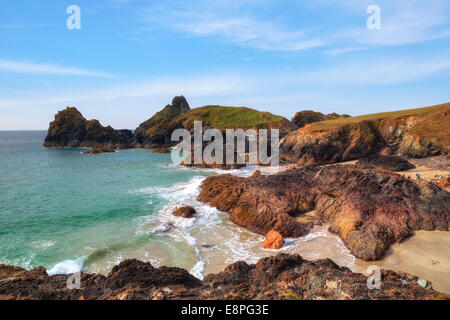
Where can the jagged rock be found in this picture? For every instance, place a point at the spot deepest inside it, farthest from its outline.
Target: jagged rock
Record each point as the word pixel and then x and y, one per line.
pixel 279 277
pixel 163 149
pixel 344 143
pixel 157 131
pixel 391 163
pixel 273 240
pixel 185 212
pixel 369 210
pixel 71 129
pixel 100 149
pixel 305 117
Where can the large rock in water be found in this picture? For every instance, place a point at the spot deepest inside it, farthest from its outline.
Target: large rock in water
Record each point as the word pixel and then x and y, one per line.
pixel 369 210
pixel 71 129
pixel 280 277
pixel 157 131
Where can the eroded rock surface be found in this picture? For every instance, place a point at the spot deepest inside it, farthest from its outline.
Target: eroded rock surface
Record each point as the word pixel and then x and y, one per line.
pixel 369 210
pixel 280 277
pixel 71 129
pixel 391 163
pixel 418 134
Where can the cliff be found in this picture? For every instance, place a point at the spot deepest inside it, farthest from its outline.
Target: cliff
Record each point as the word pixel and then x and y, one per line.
pixel 283 277
pixel 415 133
pixel 71 129
pixel 157 131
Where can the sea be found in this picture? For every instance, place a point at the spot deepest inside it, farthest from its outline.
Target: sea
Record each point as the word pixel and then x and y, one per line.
pixel 67 211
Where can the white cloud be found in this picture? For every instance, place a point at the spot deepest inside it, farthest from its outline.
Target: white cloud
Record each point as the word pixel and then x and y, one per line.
pixel 402 22
pixel 24 67
pixel 223 21
pixel 192 86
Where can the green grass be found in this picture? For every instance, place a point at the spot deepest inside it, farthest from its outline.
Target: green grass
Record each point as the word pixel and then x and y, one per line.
pixel 228 117
pixel 330 124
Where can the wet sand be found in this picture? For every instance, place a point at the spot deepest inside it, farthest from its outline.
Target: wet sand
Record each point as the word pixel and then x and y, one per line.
pixel 426 255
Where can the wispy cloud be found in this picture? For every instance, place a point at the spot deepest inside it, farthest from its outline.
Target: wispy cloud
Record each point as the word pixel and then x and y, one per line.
pixel 193 86
pixel 25 26
pixel 403 22
pixel 25 67
pixel 223 21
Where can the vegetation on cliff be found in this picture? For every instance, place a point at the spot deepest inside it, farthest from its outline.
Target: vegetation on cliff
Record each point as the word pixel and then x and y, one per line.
pixel 305 117
pixel 157 131
pixel 414 133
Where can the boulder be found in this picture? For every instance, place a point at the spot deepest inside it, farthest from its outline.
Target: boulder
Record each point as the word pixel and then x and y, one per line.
pixel 273 240
pixel 185 212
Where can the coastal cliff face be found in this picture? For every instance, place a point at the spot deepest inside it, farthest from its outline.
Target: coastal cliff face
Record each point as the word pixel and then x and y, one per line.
pixel 156 131
pixel 282 277
pixel 71 129
pixel 369 210
pixel 411 133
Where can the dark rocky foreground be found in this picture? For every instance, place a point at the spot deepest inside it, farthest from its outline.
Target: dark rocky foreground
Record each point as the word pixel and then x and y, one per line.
pixel 368 209
pixel 279 277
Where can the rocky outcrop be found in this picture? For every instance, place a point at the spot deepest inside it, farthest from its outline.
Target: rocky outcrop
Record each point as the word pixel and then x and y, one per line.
pixel 163 149
pixel 391 163
pixel 414 133
pixel 157 131
pixel 259 212
pixel 369 210
pixel 100 149
pixel 305 117
pixel 185 212
pixel 280 277
pixel 273 240
pixel 71 129
pixel 344 143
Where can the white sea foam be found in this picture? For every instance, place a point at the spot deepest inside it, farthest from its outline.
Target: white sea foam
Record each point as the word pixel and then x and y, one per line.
pixel 226 242
pixel 198 270
pixel 66 267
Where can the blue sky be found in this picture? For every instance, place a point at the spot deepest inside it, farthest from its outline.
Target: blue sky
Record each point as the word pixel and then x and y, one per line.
pixel 131 57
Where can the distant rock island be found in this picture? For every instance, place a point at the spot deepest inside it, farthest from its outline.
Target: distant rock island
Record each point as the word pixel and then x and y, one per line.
pixel 71 129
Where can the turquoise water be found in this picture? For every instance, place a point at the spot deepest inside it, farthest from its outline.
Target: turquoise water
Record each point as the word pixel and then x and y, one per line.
pixel 59 205
pixel 67 211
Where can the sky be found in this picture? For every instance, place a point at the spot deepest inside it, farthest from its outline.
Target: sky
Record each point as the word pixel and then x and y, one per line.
pixel 131 57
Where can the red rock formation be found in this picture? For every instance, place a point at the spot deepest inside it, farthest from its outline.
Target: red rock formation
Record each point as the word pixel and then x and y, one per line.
pixel 369 210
